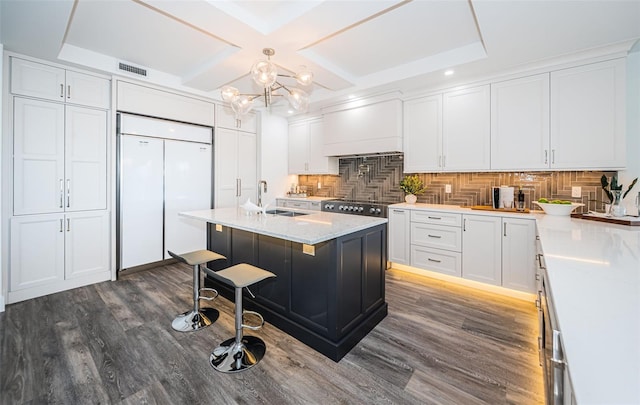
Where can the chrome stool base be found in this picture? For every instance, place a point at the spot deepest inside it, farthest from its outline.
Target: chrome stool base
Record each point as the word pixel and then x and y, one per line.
pixel 191 320
pixel 232 357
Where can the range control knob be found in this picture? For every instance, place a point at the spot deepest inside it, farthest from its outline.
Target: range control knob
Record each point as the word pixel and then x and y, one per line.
pixel 360 209
pixel 331 206
pixel 372 210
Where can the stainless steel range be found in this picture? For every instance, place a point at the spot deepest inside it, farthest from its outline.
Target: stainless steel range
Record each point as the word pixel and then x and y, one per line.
pixel 372 209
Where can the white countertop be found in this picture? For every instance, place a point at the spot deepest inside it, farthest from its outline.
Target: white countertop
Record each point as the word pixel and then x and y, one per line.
pixel 313 228
pixel 594 276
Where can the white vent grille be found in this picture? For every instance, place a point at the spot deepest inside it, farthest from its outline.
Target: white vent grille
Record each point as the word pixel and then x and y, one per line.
pixel 132 69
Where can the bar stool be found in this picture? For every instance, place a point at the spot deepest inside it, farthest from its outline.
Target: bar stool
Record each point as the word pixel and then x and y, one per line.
pixel 197 318
pixel 239 353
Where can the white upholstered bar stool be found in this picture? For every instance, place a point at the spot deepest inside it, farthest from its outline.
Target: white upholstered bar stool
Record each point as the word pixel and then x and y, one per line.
pixel 197 318
pixel 241 352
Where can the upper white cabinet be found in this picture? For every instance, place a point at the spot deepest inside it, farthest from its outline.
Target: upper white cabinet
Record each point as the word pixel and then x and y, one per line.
pixel 466 130
pixel 153 102
pixel 226 118
pixel 60 157
pixel 520 124
pixel 306 149
pixel 52 83
pixel 588 116
pixel 448 132
pixel 423 134
pixel 364 129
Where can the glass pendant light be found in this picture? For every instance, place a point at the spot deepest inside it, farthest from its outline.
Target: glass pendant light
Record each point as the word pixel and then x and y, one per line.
pixel 263 72
pixel 304 76
pixel 229 93
pixel 298 99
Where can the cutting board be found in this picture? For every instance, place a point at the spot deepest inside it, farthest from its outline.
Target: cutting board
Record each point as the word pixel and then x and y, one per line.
pixel 490 208
pixel 630 221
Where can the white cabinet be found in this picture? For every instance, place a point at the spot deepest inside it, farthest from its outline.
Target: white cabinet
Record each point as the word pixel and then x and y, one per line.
pixel 399 235
pixel 52 83
pixel 60 157
pixel 520 124
pixel 49 249
pixel 436 241
pixel 500 251
pixel 519 254
pixel 482 249
pixel 235 167
pixel 588 116
pixel 466 129
pixel 364 129
pixel 448 132
pixel 306 149
pixel 423 134
pixel 226 118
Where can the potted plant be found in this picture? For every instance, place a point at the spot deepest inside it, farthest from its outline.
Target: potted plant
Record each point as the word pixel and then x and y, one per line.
pixel 412 186
pixel 613 190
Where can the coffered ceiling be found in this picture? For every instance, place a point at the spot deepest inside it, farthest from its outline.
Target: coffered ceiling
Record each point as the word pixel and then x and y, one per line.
pixel 351 46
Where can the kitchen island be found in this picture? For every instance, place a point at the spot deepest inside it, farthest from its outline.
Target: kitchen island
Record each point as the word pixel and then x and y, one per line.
pixel 329 291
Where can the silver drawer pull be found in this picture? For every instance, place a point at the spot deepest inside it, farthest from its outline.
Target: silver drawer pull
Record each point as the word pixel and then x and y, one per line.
pixel 434 260
pixel 438 218
pixel 435 236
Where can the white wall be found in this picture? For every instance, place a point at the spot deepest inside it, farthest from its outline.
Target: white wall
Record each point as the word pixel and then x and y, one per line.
pixel 273 157
pixel 633 128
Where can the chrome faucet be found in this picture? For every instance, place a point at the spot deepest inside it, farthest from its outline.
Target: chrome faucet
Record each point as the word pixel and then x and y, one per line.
pixel 260 184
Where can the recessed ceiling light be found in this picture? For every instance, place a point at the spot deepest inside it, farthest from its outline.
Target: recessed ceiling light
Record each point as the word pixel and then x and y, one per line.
pixel 448 72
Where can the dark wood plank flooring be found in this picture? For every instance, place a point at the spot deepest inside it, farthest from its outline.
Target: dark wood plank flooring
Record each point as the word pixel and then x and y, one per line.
pixel 112 343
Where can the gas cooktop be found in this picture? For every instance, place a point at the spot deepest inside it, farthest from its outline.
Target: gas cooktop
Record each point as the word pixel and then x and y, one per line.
pixel 355 207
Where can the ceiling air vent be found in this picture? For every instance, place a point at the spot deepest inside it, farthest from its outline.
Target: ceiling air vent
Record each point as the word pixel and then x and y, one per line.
pixel 132 69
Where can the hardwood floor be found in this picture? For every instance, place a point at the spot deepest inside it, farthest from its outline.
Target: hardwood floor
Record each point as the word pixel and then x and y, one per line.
pixel 112 343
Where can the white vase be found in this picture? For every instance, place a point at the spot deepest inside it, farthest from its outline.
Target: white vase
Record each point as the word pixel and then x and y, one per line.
pixel 410 199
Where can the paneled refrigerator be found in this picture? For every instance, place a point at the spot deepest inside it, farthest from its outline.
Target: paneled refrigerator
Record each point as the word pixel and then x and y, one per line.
pixel 165 167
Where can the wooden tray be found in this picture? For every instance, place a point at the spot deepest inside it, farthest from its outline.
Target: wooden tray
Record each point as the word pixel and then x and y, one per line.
pixel 490 208
pixel 611 220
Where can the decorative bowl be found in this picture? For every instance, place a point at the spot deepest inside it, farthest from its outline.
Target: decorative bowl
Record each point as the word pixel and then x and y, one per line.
pixel 558 209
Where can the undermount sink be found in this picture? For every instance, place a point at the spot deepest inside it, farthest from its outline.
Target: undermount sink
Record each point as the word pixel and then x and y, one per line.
pixel 285 213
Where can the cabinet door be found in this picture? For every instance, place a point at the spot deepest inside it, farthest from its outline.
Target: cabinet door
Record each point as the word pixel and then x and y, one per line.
pixel 226 118
pixel 37 80
pixel 482 249
pixel 187 187
pixel 247 166
pixel 423 134
pixel 520 123
pixel 141 201
pixel 86 243
pixel 37 251
pixel 519 254
pixel 588 116
pixel 226 167
pixel 318 163
pixel 466 129
pixel 86 159
pixel 399 236
pixel 298 147
pixel 88 90
pixel 38 163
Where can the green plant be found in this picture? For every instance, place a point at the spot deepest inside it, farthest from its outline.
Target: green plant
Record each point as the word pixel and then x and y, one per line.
pixel 614 186
pixel 412 185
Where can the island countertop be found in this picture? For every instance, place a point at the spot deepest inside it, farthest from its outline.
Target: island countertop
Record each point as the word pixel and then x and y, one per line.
pixel 313 228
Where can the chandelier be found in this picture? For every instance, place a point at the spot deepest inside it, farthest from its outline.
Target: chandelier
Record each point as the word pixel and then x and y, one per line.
pixel 266 75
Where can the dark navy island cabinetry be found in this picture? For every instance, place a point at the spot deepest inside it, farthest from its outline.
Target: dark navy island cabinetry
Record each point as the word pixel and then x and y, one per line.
pixel 328 295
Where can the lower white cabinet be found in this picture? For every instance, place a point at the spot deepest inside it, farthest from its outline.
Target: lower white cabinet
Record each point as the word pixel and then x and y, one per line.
pixel 55 252
pixel 399 236
pixel 304 205
pixel 519 254
pixel 482 248
pixel 490 249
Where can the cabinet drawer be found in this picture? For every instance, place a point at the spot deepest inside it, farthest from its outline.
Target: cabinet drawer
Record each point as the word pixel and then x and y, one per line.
pixel 436 217
pixel 315 205
pixel 436 236
pixel 294 204
pixel 442 261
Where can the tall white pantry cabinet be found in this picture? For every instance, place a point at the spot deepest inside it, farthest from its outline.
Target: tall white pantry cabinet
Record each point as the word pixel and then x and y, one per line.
pixel 59 229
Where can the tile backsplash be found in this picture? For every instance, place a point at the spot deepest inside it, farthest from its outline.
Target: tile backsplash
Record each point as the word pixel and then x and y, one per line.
pixel 378 179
